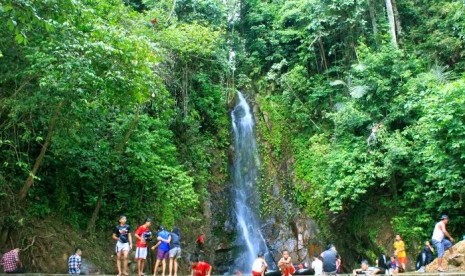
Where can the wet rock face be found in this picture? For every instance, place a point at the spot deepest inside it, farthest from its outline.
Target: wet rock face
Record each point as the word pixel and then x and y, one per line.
pixel 298 236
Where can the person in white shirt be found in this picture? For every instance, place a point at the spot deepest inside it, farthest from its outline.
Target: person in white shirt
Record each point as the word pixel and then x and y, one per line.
pixel 439 241
pixel 317 265
pixel 259 266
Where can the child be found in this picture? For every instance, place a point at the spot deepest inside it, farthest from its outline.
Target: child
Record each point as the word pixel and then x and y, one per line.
pixel 259 266
pixel 143 236
pixel 122 234
pixel 317 265
pixel 285 264
pixel 393 266
pixel 200 268
pixel 163 244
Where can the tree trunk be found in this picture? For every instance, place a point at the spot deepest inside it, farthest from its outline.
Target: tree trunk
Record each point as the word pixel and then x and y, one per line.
pixel 392 24
pixel 373 17
pixel 397 21
pixel 172 11
pixel 30 179
pixel 119 149
pixel 322 53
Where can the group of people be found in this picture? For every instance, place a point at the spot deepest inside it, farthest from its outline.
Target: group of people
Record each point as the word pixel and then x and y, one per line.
pixel 441 240
pixel 168 246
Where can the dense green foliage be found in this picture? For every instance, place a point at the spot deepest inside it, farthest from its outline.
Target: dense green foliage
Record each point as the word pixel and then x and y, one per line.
pixel 111 106
pixel 105 110
pixel 328 72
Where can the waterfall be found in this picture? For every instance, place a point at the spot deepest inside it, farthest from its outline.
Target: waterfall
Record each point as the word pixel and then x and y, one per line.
pixel 249 239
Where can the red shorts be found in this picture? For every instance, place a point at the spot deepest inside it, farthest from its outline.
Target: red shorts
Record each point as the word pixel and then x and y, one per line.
pixel 287 270
pixel 402 260
pixel 255 273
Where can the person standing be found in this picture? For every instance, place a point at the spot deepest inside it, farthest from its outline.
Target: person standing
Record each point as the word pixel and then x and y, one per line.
pixel 317 265
pixel 11 262
pixel 200 268
pixel 143 236
pixel 329 260
pixel 400 252
pixel 439 239
pixel 175 251
pixel 259 265
pixel 164 239
pixel 122 234
pixel 74 262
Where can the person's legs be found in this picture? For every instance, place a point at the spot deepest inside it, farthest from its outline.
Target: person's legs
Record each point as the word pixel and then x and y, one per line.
pixel 141 254
pixel 118 262
pixel 163 267
pixel 163 263
pixel 440 249
pixel 175 267
pixel 125 262
pixel 170 272
pixel 155 268
pixel 142 266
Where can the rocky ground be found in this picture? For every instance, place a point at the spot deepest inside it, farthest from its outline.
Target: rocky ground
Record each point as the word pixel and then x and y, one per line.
pixel 454 259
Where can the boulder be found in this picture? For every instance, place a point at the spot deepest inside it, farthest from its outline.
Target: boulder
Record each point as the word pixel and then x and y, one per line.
pixel 453 261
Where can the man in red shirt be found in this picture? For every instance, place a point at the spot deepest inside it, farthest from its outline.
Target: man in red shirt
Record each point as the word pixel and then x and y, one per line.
pixel 143 236
pixel 200 268
pixel 11 262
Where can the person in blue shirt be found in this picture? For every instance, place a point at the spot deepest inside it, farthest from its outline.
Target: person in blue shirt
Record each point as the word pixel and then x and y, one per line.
pixel 163 244
pixel 175 251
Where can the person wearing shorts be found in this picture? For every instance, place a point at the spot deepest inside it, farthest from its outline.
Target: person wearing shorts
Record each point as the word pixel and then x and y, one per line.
pixel 122 234
pixel 400 253
pixel 164 239
pixel 143 236
pixel 440 242
pixel 175 251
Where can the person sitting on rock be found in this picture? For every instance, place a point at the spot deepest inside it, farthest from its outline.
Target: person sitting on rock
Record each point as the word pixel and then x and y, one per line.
pixel 285 264
pixel 393 266
pixel 382 263
pixel 425 257
pixel 366 269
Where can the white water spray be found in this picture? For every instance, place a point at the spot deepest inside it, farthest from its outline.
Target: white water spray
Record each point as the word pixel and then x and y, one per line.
pixel 249 238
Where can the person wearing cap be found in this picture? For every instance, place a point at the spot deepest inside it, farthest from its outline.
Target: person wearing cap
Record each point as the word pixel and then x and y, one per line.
pixel 329 260
pixel 366 269
pixel 122 234
pixel 259 265
pixel 143 236
pixel 439 239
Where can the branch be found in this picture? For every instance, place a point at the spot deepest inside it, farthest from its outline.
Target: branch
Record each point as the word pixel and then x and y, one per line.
pixel 32 243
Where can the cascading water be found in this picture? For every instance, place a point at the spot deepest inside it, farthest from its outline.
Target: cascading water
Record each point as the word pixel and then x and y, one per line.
pixel 249 238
